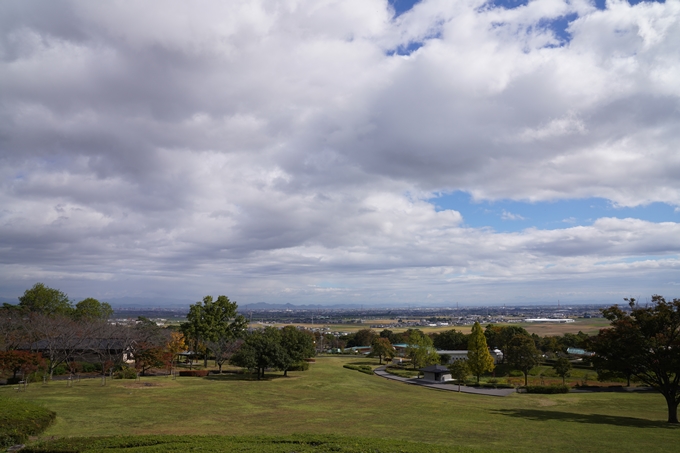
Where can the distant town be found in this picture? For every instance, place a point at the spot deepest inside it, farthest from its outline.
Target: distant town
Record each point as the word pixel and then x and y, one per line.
pixel 381 318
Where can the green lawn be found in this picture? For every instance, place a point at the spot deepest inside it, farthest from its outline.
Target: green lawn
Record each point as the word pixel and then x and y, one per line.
pixel 330 399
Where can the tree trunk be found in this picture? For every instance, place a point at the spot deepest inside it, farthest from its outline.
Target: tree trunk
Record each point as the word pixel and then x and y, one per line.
pixel 672 408
pixel 285 372
pixel 526 378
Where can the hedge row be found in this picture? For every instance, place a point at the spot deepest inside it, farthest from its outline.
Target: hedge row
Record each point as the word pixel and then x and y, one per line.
pixel 20 419
pixel 361 368
pixel 547 389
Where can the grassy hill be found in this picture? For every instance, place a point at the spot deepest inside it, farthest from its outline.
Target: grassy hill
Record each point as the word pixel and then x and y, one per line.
pixel 332 400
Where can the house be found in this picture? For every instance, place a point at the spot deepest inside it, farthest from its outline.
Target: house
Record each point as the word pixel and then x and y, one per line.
pixel 436 373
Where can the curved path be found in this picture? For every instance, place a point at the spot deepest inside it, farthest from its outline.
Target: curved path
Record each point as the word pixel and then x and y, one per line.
pixel 380 371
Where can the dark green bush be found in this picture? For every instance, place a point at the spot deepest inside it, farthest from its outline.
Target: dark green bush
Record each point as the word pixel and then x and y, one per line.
pixel 90 367
pixel 60 370
pixel 126 373
pixel 547 389
pixel 20 419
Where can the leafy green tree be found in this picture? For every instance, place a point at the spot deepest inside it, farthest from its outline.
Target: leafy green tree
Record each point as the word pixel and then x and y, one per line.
pixel 479 359
pixel 420 349
pixel 45 300
pixel 523 355
pixel 500 336
pixel 451 340
pixel 459 371
pixel 651 335
pixel 381 347
pixel 209 321
pixel 260 350
pixel 297 346
pixel 91 309
pixel 363 337
pixel 562 367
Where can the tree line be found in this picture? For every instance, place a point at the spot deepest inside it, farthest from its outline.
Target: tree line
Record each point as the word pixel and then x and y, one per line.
pixel 46 331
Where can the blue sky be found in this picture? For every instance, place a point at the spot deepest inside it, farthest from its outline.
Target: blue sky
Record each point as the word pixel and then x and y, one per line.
pixel 509 215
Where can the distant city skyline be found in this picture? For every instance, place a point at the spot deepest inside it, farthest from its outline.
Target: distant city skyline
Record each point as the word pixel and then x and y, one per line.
pixel 356 152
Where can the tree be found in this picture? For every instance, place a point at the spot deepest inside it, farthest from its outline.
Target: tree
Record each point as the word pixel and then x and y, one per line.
pixel 210 320
pixel 109 343
pixel 651 335
pixel 223 349
pixel 147 357
pixel 24 361
pixel 381 347
pixel 523 355
pixel 562 367
pixel 260 350
pixel 500 336
pixel 174 346
pixel 363 337
pixel 45 300
pixel 479 358
pixel 57 337
pixel 13 329
pixel 451 340
pixel 420 349
pixel 459 371
pixel 297 345
pixel 91 308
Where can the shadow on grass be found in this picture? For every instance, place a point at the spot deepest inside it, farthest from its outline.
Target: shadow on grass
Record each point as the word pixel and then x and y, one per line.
pixel 243 377
pixel 591 419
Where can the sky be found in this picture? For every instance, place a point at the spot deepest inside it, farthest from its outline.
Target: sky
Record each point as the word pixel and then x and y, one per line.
pixel 374 152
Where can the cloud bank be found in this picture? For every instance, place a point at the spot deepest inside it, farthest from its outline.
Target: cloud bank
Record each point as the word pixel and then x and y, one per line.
pixel 286 151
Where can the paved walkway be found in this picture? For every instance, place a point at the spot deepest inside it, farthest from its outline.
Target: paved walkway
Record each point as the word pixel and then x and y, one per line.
pixel 380 371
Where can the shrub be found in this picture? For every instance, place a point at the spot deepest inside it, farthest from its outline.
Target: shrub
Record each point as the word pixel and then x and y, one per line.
pixel 195 373
pixel 60 370
pixel 90 367
pixel 547 389
pixel 361 368
pixel 126 373
pixel 20 419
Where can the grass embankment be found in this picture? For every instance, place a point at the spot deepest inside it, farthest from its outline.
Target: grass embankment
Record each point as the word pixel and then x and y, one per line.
pixel 331 400
pixel 20 419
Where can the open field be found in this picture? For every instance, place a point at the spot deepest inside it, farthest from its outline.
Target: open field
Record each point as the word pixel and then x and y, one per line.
pixel 330 399
pixel 590 326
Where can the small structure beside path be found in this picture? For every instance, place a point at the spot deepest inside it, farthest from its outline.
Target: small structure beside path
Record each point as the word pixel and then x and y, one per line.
pixel 436 373
pixel 380 371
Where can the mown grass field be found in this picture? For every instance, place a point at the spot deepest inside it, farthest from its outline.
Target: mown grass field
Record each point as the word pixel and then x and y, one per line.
pixel 330 399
